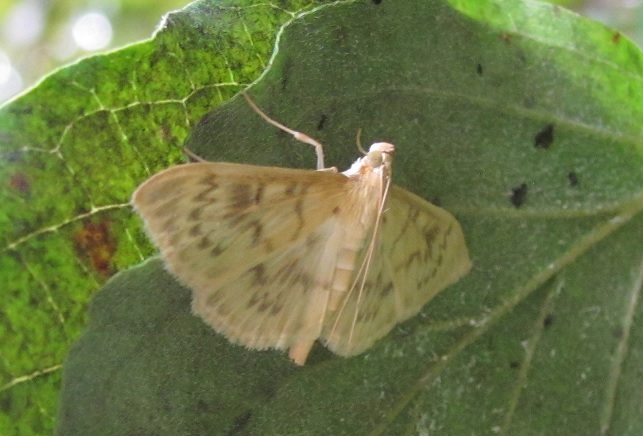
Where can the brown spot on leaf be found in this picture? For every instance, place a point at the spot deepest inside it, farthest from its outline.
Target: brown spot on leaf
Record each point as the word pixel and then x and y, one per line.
pixel 96 243
pixel 19 183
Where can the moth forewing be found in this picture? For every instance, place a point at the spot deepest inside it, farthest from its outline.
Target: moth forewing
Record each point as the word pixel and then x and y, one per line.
pixel 255 245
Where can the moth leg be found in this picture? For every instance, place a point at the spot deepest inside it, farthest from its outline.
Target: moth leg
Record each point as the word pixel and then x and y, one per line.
pixel 328 170
pixel 195 157
pixel 319 149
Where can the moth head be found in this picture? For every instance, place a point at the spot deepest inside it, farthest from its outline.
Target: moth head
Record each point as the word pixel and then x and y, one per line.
pixel 379 154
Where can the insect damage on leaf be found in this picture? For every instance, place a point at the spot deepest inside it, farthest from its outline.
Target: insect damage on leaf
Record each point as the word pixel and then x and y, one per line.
pixel 545 138
pixel 518 195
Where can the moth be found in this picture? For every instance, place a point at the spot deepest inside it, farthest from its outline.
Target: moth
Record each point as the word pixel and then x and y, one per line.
pixel 279 257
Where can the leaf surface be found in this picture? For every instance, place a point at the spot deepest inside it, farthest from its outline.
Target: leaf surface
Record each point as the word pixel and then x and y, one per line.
pixel 518 117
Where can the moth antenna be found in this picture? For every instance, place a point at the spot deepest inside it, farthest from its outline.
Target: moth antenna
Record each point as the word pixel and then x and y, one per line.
pixel 363 269
pixel 359 143
pixel 369 254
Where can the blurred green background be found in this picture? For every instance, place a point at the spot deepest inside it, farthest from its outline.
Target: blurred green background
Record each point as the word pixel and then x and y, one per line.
pixel 36 36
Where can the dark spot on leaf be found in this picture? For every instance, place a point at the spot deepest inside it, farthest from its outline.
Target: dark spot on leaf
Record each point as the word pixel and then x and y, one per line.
pixel 164 132
pixel 506 37
pixel 267 390
pixel 321 123
pixel 514 364
pixel 479 69
pixel 519 195
pixel 616 37
pixel 204 407
pixel 240 422
pixel 545 137
pixel 285 73
pixel 13 156
pixel 548 321
pixel 572 178
pixel 377 2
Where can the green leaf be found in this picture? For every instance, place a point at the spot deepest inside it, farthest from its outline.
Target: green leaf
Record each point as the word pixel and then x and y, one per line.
pixel 72 151
pixel 520 118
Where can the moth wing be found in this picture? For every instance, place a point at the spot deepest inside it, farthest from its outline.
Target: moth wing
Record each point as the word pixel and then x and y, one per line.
pixel 419 251
pixel 253 243
pixel 279 302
